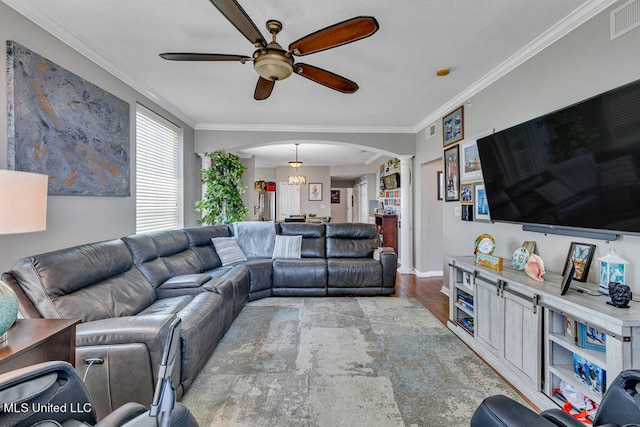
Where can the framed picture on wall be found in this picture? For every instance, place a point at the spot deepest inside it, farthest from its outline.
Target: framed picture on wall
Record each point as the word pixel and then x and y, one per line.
pixel 470 168
pixel 481 210
pixel 453 126
pixel 452 174
pixel 315 191
pixel 466 194
pixel 335 196
pixel 440 179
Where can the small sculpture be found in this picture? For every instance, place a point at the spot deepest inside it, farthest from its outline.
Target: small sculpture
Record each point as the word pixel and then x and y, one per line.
pixel 620 295
pixel 535 268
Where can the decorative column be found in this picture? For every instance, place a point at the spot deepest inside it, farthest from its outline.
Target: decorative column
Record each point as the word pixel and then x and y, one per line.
pixel 406 215
pixel 205 163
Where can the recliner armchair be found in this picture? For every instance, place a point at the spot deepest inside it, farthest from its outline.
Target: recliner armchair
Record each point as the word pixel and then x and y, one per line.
pixel 620 407
pixel 52 394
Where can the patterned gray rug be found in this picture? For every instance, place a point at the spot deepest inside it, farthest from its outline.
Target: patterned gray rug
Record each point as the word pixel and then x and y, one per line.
pixel 375 361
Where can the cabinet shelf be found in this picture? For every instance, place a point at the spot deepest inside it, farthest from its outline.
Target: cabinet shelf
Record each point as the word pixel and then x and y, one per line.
pixel 565 372
pixel 465 309
pixel 597 357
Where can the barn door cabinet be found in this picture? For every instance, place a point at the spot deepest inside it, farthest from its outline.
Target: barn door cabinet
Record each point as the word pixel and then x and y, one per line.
pixel 520 328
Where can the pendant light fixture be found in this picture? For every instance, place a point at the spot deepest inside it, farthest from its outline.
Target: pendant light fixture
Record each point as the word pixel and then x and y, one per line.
pixel 297 179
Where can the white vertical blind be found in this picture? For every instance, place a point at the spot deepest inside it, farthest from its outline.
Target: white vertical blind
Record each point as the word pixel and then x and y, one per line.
pixel 158 173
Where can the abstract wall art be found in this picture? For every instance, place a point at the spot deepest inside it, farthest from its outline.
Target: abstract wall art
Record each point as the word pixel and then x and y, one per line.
pixel 63 126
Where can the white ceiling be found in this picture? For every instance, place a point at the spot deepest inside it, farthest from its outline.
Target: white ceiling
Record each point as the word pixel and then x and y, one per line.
pixel 395 68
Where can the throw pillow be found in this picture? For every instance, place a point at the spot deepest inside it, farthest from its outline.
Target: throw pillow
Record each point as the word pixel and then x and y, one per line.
pixel 228 250
pixel 287 247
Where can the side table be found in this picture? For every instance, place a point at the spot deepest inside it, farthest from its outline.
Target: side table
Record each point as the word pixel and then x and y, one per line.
pixel 31 341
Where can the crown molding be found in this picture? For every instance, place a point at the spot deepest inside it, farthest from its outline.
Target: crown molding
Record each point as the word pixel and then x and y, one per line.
pixel 304 128
pixel 94 55
pixel 563 27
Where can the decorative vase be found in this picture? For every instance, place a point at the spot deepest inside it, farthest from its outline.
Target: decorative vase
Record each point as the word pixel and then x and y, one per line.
pixel 8 310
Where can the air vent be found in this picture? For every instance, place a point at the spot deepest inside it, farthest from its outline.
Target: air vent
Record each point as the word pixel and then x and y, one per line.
pixel 430 131
pixel 625 18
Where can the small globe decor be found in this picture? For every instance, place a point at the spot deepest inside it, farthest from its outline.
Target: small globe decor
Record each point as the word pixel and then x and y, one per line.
pixel 612 270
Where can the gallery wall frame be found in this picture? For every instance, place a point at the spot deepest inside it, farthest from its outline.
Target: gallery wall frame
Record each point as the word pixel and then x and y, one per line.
pixel 452 174
pixel 481 204
pixel 440 184
pixel 453 126
pixel 470 167
pixel 466 194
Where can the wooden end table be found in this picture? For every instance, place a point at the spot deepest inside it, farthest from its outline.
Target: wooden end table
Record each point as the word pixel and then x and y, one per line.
pixel 31 341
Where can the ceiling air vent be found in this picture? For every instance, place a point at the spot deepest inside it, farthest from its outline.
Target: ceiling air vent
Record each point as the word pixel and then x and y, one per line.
pixel 625 18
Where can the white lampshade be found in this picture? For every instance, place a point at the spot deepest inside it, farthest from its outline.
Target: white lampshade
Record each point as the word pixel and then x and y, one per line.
pixel 297 180
pixel 23 202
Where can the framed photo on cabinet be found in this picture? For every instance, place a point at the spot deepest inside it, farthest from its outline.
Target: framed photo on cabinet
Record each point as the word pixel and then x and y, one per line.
pixel 452 174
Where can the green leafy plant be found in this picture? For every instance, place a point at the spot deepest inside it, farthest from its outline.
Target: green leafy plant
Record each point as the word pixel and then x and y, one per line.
pixel 221 202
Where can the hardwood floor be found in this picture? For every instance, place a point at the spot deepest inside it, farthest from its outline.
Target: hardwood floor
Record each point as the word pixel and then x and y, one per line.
pixel 425 290
pixel 429 292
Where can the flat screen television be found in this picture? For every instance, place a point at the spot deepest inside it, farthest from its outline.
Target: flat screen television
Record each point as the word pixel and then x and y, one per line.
pixel 578 167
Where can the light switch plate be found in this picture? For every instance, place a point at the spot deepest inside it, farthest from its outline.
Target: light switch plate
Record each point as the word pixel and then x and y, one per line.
pixel 457 211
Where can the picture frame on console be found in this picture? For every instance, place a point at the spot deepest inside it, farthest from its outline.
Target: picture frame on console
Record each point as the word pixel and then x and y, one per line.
pixel 580 255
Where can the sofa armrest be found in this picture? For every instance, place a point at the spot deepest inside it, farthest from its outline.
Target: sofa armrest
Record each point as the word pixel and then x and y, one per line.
pixel 185 281
pixel 124 414
pixel 389 261
pixel 150 330
pixel 561 418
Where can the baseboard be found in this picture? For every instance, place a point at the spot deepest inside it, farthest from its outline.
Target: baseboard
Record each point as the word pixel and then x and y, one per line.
pixel 445 290
pixel 428 273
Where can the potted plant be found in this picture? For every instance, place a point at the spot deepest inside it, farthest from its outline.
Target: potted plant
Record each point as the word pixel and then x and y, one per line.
pixel 221 202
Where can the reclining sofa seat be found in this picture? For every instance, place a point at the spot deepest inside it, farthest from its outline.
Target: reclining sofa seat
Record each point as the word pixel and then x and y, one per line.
pixel 351 268
pixel 255 285
pixel 124 322
pixel 306 276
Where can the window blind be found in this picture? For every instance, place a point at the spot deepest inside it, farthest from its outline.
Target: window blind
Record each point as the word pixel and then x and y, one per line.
pixel 158 173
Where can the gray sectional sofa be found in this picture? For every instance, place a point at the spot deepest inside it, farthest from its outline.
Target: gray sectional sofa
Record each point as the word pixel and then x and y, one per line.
pixel 127 291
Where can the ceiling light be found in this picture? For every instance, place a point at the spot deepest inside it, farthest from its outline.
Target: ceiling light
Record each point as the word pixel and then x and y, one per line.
pixel 297 179
pixel 442 72
pixel 296 163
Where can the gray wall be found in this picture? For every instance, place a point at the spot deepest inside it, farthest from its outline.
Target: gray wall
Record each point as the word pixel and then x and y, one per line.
pixel 73 220
pixel 582 64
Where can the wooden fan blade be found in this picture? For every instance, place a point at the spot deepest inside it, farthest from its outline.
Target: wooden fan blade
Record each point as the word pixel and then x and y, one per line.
pixel 326 78
pixel 336 35
pixel 239 19
pixel 263 89
pixel 202 57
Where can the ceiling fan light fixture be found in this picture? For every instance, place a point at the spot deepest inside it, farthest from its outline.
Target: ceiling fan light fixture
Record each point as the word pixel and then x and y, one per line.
pixel 273 66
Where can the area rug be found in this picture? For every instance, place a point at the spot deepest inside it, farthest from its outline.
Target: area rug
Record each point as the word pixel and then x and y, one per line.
pixel 374 361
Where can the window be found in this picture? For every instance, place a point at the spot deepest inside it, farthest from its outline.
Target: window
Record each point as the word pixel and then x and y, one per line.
pixel 158 172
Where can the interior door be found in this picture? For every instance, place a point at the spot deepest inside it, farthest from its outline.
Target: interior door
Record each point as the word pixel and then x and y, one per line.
pixel 288 200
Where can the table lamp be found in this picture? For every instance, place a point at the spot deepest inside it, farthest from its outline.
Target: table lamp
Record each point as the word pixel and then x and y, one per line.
pixel 23 209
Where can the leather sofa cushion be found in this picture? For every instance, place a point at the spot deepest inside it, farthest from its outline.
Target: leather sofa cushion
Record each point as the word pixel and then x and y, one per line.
pixel 201 244
pixel 300 273
pixel 354 273
pixel 88 282
pixel 346 240
pixel 313 237
pixel 163 255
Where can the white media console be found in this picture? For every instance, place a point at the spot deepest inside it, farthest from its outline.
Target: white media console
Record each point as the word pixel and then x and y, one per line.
pixel 528 332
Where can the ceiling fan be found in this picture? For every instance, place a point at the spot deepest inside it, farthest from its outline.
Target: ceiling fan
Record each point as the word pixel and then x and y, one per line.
pixel 273 63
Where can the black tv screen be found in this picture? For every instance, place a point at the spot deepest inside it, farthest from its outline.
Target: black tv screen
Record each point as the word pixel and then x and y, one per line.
pixel 577 167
